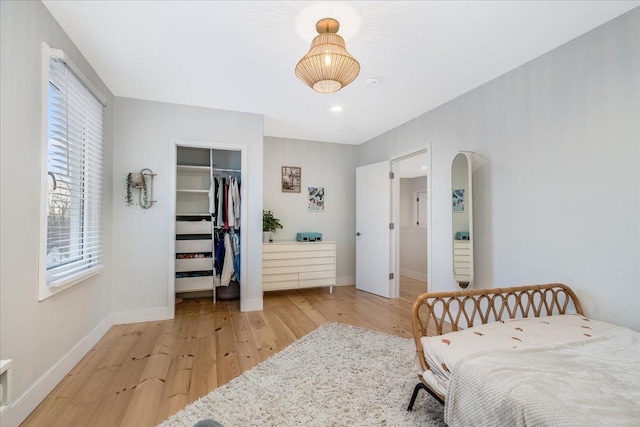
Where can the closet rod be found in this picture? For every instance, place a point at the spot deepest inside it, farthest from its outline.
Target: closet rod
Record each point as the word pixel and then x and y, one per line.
pixel 225 170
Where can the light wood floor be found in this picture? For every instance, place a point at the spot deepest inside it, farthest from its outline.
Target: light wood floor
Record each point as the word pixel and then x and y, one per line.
pixel 140 374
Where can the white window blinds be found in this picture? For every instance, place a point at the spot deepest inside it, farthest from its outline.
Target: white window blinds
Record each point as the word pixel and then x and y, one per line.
pixel 74 177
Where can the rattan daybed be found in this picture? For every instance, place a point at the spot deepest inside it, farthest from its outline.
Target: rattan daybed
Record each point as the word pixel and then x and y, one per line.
pixel 524 356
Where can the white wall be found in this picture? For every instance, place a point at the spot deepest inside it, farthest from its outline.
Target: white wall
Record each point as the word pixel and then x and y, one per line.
pixel 327 165
pixel 556 176
pixel 413 238
pixel 44 339
pixel 142 238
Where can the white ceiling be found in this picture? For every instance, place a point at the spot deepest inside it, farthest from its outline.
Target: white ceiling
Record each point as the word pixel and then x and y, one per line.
pixel 240 55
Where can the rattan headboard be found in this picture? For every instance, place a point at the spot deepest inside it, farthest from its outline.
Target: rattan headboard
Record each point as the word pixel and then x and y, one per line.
pixel 435 312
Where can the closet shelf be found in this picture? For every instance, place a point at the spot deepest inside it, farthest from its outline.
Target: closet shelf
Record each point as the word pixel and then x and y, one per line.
pixel 188 168
pixel 203 214
pixel 193 236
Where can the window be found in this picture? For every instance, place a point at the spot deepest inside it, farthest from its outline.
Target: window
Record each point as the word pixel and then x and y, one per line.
pixel 71 246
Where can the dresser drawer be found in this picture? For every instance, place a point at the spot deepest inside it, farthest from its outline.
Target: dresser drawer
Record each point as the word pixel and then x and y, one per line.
pixel 273 263
pixel 312 283
pixel 316 275
pixel 462 258
pixel 280 270
pixel 330 267
pixel 297 255
pixel 275 286
pixel 284 277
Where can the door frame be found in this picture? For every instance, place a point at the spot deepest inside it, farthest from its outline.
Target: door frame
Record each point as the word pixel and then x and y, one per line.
pixel 174 143
pixel 395 217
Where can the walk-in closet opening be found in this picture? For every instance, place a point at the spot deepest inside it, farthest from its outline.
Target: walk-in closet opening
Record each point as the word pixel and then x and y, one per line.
pixel 208 222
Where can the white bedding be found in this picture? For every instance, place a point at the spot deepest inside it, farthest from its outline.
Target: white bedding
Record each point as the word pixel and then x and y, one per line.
pixel 590 382
pixel 443 352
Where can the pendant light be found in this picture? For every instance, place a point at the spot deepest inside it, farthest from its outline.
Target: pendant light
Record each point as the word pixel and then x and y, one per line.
pixel 327 67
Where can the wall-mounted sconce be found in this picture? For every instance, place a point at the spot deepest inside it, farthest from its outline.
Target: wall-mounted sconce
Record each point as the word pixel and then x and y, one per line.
pixel 143 182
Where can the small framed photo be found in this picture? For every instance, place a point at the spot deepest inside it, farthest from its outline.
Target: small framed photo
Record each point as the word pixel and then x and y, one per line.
pixel 291 179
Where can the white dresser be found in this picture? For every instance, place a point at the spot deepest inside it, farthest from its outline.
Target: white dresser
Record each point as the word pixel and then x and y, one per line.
pixel 462 260
pixel 294 265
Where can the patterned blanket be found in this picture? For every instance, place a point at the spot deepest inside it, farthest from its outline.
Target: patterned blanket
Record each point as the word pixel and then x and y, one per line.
pixel 590 382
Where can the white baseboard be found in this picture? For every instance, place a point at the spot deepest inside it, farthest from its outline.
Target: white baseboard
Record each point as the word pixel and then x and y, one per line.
pixel 25 404
pixel 144 315
pixel 413 274
pixel 251 304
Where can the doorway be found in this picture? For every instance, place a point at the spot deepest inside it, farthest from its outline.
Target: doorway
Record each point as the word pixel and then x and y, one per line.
pixel 411 208
pixel 190 177
pixel 378 230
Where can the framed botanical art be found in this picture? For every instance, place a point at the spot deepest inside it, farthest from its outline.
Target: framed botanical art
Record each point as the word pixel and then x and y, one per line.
pixel 291 179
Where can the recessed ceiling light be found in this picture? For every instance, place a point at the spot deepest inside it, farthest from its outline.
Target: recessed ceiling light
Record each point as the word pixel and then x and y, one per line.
pixel 336 108
pixel 425 167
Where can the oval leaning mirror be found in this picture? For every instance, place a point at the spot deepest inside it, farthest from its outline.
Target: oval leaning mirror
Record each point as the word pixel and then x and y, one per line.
pixel 462 215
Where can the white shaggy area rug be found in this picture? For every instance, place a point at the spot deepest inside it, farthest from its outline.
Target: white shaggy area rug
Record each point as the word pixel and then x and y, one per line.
pixel 337 375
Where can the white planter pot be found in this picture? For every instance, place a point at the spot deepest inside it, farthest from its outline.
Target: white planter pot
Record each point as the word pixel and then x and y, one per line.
pixel 266 236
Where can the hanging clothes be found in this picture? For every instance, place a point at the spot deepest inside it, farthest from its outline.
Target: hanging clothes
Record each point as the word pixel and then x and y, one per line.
pixel 227 267
pixel 235 197
pixel 212 197
pixel 220 201
pixel 225 201
pixel 235 240
pixel 219 257
pixel 231 217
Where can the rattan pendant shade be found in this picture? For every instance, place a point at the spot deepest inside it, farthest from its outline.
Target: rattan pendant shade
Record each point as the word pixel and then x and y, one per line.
pixel 327 67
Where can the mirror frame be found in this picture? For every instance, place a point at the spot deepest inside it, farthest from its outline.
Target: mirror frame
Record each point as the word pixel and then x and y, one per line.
pixel 459 250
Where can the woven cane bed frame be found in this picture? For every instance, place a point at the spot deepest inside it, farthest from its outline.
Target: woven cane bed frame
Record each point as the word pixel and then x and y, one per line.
pixel 440 311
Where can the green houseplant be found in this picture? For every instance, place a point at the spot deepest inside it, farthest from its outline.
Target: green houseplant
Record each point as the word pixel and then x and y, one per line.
pixel 269 224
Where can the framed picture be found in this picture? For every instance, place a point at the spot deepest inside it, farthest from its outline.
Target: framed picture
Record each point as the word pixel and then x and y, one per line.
pixel 291 179
pixel 458 200
pixel 316 199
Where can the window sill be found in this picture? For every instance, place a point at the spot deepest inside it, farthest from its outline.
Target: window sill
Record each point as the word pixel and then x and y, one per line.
pixel 48 291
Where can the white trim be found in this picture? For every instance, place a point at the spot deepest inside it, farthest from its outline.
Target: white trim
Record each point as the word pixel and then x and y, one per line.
pixel 76 278
pixel 251 304
pixel 144 315
pixel 416 275
pixel 44 154
pixel 56 287
pixel 25 404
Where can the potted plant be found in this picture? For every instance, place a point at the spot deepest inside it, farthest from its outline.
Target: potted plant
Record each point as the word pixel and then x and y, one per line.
pixel 269 224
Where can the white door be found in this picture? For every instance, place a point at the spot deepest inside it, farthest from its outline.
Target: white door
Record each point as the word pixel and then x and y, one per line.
pixel 373 213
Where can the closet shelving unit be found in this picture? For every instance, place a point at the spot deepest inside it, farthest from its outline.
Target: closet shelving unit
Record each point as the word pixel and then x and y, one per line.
pixel 195 230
